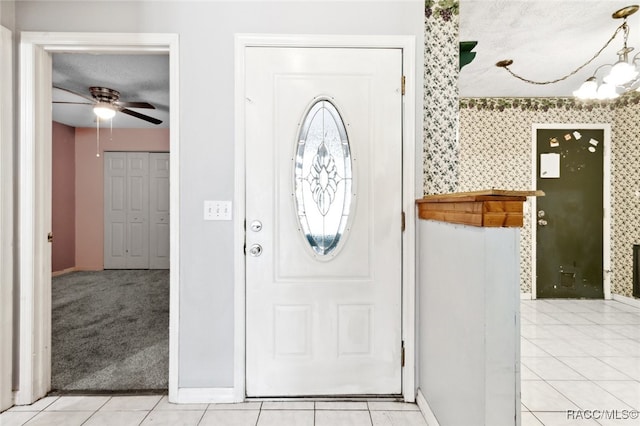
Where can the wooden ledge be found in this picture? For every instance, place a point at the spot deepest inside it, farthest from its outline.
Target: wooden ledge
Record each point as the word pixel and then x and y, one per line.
pixel 488 208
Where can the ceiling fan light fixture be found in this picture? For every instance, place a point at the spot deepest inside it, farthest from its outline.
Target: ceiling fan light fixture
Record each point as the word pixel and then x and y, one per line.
pixel 104 110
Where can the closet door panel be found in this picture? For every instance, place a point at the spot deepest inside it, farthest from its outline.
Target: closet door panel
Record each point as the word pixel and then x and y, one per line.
pixel 126 217
pixel 115 214
pixel 159 210
pixel 138 210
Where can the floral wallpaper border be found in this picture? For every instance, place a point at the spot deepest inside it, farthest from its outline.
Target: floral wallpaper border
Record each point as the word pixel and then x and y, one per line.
pixel 445 9
pixel 546 104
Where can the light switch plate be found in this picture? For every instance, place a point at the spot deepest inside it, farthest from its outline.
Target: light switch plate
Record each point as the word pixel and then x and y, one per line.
pixel 217 210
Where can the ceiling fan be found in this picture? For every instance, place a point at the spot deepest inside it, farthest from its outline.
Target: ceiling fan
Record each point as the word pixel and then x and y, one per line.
pixel 106 103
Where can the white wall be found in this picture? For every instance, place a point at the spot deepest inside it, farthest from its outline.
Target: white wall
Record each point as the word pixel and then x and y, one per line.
pixel 7 14
pixel 468 330
pixel 206 30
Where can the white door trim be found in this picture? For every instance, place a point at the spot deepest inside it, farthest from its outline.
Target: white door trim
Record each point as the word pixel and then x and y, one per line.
pixel 6 217
pixel 34 338
pixel 407 44
pixel 606 199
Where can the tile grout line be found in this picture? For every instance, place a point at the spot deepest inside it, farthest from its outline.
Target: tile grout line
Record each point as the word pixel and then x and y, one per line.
pixel 95 411
pixel 370 415
pixel 259 413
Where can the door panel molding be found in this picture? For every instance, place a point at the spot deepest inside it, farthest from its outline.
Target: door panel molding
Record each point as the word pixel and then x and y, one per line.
pixel 606 198
pixel 409 191
pixel 35 136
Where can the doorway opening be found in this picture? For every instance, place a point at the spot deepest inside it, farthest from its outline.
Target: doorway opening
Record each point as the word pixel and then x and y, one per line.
pixel 35 204
pixel 110 328
pixel 355 312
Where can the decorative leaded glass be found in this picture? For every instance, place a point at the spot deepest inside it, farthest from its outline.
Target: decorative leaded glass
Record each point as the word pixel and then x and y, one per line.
pixel 323 177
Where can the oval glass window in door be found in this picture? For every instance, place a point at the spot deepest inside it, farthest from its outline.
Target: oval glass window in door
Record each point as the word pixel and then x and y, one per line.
pixel 323 177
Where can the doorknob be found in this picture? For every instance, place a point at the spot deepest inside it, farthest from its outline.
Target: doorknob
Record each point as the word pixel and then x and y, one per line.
pixel 542 222
pixel 50 237
pixel 541 213
pixel 255 250
pixel 256 226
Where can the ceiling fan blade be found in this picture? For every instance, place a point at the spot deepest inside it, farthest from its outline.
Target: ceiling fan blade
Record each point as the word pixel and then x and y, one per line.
pixel 134 105
pixel 72 103
pixel 75 93
pixel 140 116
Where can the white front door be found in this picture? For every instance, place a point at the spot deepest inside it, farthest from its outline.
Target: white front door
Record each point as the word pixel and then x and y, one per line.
pixel 323 221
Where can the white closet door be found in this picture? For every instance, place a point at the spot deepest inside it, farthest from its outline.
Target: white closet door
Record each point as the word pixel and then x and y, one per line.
pixel 115 201
pixel 126 203
pixel 159 210
pixel 138 210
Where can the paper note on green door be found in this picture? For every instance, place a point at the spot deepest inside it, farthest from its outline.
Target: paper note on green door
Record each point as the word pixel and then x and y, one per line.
pixel 550 166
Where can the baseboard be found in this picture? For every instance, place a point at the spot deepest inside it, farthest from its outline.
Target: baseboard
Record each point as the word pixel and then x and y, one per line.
pixel 626 300
pixel 205 396
pixel 89 268
pixel 525 296
pixel 63 272
pixel 426 410
pixel 75 269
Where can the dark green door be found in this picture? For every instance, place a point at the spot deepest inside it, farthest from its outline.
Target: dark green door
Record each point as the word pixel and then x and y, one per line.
pixel 570 216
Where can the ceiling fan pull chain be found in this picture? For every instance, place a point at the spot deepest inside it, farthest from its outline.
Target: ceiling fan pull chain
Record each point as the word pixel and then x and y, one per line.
pixel 98 137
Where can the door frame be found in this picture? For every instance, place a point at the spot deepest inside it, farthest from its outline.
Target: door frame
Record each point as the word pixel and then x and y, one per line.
pixel 606 199
pixel 408 46
pixel 35 135
pixel 6 217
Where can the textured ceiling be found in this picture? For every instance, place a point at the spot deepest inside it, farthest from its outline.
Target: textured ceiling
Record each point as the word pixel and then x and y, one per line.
pixel 545 38
pixel 137 78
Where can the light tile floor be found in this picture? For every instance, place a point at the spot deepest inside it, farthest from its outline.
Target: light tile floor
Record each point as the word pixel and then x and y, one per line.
pixel 156 410
pixel 577 355
pixel 580 355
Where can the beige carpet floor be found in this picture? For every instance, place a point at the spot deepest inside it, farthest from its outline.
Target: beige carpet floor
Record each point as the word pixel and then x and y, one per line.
pixel 110 331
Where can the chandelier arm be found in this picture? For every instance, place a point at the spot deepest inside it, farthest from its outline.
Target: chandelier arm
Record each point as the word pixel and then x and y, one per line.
pixel 526 80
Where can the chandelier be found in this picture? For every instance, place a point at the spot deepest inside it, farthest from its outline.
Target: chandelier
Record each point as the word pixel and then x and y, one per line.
pixel 621 77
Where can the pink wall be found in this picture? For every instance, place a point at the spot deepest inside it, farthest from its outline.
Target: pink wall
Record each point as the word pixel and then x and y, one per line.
pixel 63 198
pixel 90 186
